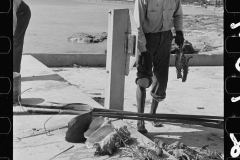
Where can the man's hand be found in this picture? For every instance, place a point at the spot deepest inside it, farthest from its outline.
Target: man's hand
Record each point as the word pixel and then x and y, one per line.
pixel 179 39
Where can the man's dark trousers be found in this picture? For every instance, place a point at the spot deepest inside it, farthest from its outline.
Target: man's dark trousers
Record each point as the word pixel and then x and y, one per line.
pixel 155 62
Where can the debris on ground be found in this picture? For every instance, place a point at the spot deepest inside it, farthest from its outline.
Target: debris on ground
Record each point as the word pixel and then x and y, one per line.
pixel 76 66
pixel 101 135
pixel 183 152
pixel 58 70
pixel 98 135
pixel 146 153
pixel 88 38
pixel 120 137
pixel 105 138
pixel 113 141
pixel 95 124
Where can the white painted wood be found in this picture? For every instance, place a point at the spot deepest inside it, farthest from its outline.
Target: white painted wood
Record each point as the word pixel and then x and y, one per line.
pixel 116 58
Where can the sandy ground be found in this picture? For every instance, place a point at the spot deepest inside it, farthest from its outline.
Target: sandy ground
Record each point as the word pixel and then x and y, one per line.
pixel 54 21
pixel 203 89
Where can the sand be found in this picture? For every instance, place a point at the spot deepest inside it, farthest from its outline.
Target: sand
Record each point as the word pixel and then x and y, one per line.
pixel 201 94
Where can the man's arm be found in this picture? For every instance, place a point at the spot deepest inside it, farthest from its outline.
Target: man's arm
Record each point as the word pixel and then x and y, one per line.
pixel 178 17
pixel 139 16
pixel 178 23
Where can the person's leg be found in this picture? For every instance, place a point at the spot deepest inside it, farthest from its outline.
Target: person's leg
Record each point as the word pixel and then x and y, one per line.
pixel 23 17
pixel 160 71
pixel 154 106
pixel 143 80
pixel 141 96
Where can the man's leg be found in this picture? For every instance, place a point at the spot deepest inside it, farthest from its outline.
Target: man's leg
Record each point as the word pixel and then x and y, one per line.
pixel 141 96
pixel 23 17
pixel 160 71
pixel 154 106
pixel 143 81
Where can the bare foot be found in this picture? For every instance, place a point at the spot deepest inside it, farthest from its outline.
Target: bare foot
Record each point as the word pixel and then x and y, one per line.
pixel 141 127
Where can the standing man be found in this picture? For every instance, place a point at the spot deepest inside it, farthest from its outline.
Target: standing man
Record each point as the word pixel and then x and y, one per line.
pixel 21 17
pixel 154 19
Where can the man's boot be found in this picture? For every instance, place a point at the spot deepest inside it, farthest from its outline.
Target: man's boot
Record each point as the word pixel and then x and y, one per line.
pixel 153 111
pixel 141 96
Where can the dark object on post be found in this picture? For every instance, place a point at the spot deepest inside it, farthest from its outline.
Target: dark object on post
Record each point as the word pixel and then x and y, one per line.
pixel 77 127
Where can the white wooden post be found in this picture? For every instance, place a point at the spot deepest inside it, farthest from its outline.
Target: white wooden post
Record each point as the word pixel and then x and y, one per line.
pixel 120 28
pixel 116 57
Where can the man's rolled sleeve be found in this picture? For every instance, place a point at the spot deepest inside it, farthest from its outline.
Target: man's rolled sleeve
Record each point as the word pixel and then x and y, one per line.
pixel 139 16
pixel 178 17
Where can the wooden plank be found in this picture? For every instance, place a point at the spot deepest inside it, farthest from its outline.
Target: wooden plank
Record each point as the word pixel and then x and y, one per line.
pixel 48 88
pixel 116 58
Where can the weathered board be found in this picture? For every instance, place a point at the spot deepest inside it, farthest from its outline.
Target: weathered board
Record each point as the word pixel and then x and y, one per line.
pixel 116 58
pixel 121 55
pixel 42 86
